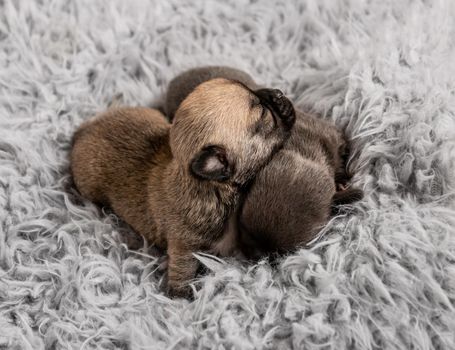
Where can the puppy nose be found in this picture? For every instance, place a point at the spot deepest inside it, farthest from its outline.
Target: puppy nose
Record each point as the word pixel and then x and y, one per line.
pixel 279 104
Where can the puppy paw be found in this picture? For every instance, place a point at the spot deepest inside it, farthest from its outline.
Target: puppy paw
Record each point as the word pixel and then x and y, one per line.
pixel 179 291
pixel 278 103
pixel 175 290
pixel 345 196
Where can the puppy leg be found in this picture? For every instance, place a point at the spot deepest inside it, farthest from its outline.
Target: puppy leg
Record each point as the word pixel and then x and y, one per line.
pixel 342 175
pixel 182 267
pixel 346 196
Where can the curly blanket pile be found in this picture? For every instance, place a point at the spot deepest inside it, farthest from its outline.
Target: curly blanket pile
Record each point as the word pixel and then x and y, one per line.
pixel 382 276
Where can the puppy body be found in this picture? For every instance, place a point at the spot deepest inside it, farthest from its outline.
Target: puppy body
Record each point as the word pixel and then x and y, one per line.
pixel 177 185
pixel 292 197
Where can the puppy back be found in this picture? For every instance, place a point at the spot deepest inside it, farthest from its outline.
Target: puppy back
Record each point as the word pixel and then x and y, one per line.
pixel 318 140
pixel 288 203
pixel 113 145
pixel 182 85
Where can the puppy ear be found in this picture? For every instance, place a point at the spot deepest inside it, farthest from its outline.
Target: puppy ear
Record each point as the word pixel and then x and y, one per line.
pixel 211 163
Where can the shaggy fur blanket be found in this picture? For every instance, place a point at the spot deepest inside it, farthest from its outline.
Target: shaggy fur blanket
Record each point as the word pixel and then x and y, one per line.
pixel 382 275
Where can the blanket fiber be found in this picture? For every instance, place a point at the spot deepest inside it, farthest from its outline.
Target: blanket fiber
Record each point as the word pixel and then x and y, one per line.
pixel 382 276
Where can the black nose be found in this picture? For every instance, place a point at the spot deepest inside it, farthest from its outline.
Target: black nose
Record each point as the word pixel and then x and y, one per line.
pixel 279 105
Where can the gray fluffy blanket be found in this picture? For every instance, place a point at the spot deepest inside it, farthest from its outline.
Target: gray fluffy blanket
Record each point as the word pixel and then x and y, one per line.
pixel 381 277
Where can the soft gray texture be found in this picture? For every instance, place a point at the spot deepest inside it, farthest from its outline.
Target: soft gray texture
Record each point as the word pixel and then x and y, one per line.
pixel 383 277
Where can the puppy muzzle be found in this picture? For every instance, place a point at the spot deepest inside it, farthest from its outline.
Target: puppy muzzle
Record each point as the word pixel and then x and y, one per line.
pixel 279 105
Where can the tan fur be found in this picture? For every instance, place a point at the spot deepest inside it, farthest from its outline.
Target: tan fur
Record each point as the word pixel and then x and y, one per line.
pixel 133 160
pixel 228 245
pixel 112 163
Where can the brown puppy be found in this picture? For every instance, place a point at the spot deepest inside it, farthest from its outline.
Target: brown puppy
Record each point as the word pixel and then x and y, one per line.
pixel 177 184
pixel 293 196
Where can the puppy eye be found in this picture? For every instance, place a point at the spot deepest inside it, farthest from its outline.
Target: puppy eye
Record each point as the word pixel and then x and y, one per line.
pixel 263 111
pixel 254 102
pixel 266 123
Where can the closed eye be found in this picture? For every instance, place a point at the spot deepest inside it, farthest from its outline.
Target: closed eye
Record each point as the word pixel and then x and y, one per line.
pixel 264 124
pixel 263 112
pixel 265 109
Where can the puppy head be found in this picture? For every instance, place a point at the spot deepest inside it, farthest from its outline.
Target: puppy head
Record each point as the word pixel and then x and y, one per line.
pixel 224 131
pixel 288 203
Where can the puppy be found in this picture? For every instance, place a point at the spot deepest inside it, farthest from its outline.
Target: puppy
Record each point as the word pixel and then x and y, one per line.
pixel 178 184
pixel 293 196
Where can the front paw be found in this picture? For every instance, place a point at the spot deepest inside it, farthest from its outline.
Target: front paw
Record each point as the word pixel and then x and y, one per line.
pixel 344 197
pixel 175 290
pixel 179 291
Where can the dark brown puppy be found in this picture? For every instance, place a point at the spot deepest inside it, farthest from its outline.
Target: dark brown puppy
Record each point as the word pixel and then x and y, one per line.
pixel 182 85
pixel 293 196
pixel 178 184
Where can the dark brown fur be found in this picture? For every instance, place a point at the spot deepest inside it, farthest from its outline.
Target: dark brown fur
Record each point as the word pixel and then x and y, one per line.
pixel 293 197
pixel 178 184
pixel 182 85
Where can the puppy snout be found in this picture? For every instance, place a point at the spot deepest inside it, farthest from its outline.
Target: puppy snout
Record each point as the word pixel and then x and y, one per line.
pixel 276 95
pixel 280 105
pixel 269 94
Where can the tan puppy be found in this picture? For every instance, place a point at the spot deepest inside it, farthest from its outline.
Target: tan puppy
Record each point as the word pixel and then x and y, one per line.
pixel 177 185
pixel 293 196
